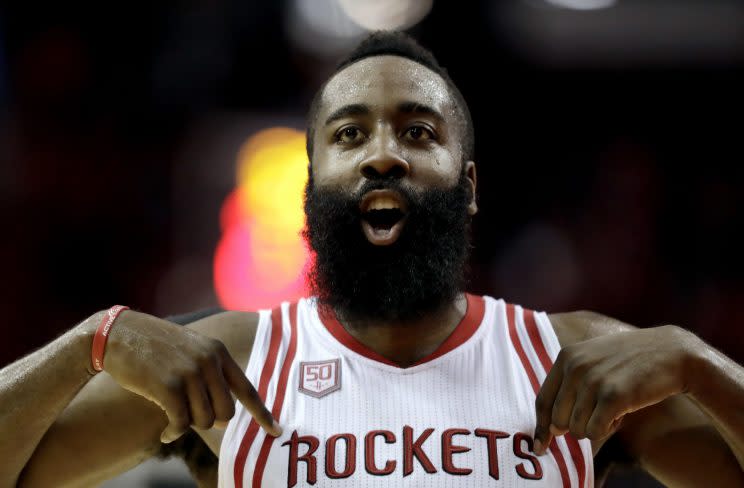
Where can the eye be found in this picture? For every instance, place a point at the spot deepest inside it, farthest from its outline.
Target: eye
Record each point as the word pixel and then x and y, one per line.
pixel 419 133
pixel 349 135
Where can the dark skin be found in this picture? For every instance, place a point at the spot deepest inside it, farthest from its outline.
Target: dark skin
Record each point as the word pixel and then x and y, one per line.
pixel 675 404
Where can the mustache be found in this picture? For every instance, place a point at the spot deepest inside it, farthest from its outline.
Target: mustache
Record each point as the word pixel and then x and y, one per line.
pixel 411 197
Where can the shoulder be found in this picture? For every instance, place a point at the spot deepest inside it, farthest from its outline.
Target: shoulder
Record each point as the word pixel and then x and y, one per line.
pixel 579 326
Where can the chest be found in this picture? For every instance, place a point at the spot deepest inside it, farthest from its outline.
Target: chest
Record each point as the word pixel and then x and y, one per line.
pixel 456 423
pixel 465 418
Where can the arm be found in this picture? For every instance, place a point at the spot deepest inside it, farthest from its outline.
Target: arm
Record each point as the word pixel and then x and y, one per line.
pixel 673 402
pixel 717 388
pixel 109 427
pixel 35 390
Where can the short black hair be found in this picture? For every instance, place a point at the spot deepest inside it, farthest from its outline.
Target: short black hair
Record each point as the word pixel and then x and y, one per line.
pixel 396 43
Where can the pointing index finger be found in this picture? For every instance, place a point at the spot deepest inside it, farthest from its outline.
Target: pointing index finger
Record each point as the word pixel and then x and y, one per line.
pixel 249 397
pixel 544 408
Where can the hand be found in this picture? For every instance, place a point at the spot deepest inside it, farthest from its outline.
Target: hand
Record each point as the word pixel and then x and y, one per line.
pixel 593 384
pixel 190 376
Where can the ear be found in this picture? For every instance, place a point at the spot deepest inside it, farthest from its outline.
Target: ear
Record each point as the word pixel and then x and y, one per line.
pixel 472 179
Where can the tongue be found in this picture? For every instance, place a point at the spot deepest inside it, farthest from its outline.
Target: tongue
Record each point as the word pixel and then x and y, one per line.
pixel 381 229
pixel 381 234
pixel 381 226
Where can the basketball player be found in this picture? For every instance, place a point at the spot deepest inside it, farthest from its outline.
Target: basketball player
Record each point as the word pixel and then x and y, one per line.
pixel 390 375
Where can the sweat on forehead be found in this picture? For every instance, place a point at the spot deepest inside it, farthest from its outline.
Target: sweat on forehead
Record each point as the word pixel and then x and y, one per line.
pixel 376 79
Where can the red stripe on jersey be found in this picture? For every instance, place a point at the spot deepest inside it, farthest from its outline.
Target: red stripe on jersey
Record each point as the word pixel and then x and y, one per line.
pixel 562 467
pixel 542 353
pixel 263 386
pixel 511 320
pixel 463 331
pixel 537 342
pixel 577 456
pixel 281 390
pixel 476 307
pixel 512 323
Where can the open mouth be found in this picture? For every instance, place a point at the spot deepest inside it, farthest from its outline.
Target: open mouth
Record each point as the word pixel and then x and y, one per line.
pixel 383 216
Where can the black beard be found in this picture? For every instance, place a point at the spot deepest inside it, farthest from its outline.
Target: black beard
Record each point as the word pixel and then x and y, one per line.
pixel 419 273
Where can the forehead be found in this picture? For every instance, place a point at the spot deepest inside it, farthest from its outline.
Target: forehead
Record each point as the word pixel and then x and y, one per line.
pixel 387 80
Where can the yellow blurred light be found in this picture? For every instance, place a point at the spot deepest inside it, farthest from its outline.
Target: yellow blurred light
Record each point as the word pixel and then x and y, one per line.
pixel 269 257
pixel 272 174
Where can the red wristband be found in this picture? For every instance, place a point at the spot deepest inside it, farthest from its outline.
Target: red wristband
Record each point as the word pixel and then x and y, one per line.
pixel 99 340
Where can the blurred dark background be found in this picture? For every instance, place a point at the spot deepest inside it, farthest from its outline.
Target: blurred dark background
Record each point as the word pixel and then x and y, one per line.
pixel 608 144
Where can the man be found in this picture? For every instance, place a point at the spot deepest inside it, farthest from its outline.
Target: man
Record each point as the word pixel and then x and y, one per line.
pixel 391 375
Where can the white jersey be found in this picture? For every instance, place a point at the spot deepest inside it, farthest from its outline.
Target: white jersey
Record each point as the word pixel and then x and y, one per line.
pixel 463 416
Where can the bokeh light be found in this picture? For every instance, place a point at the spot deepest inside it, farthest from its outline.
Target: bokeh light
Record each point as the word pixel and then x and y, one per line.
pixel 261 258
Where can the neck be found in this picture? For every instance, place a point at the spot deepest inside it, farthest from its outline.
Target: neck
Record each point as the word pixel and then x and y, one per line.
pixel 406 342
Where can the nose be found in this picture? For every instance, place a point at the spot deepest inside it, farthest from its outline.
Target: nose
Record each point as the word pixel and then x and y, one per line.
pixel 384 161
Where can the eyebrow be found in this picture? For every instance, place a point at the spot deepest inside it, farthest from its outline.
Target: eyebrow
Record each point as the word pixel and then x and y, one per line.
pixel 362 109
pixel 418 108
pixel 347 111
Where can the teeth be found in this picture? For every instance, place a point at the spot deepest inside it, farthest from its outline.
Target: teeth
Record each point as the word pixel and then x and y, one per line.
pixel 383 203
